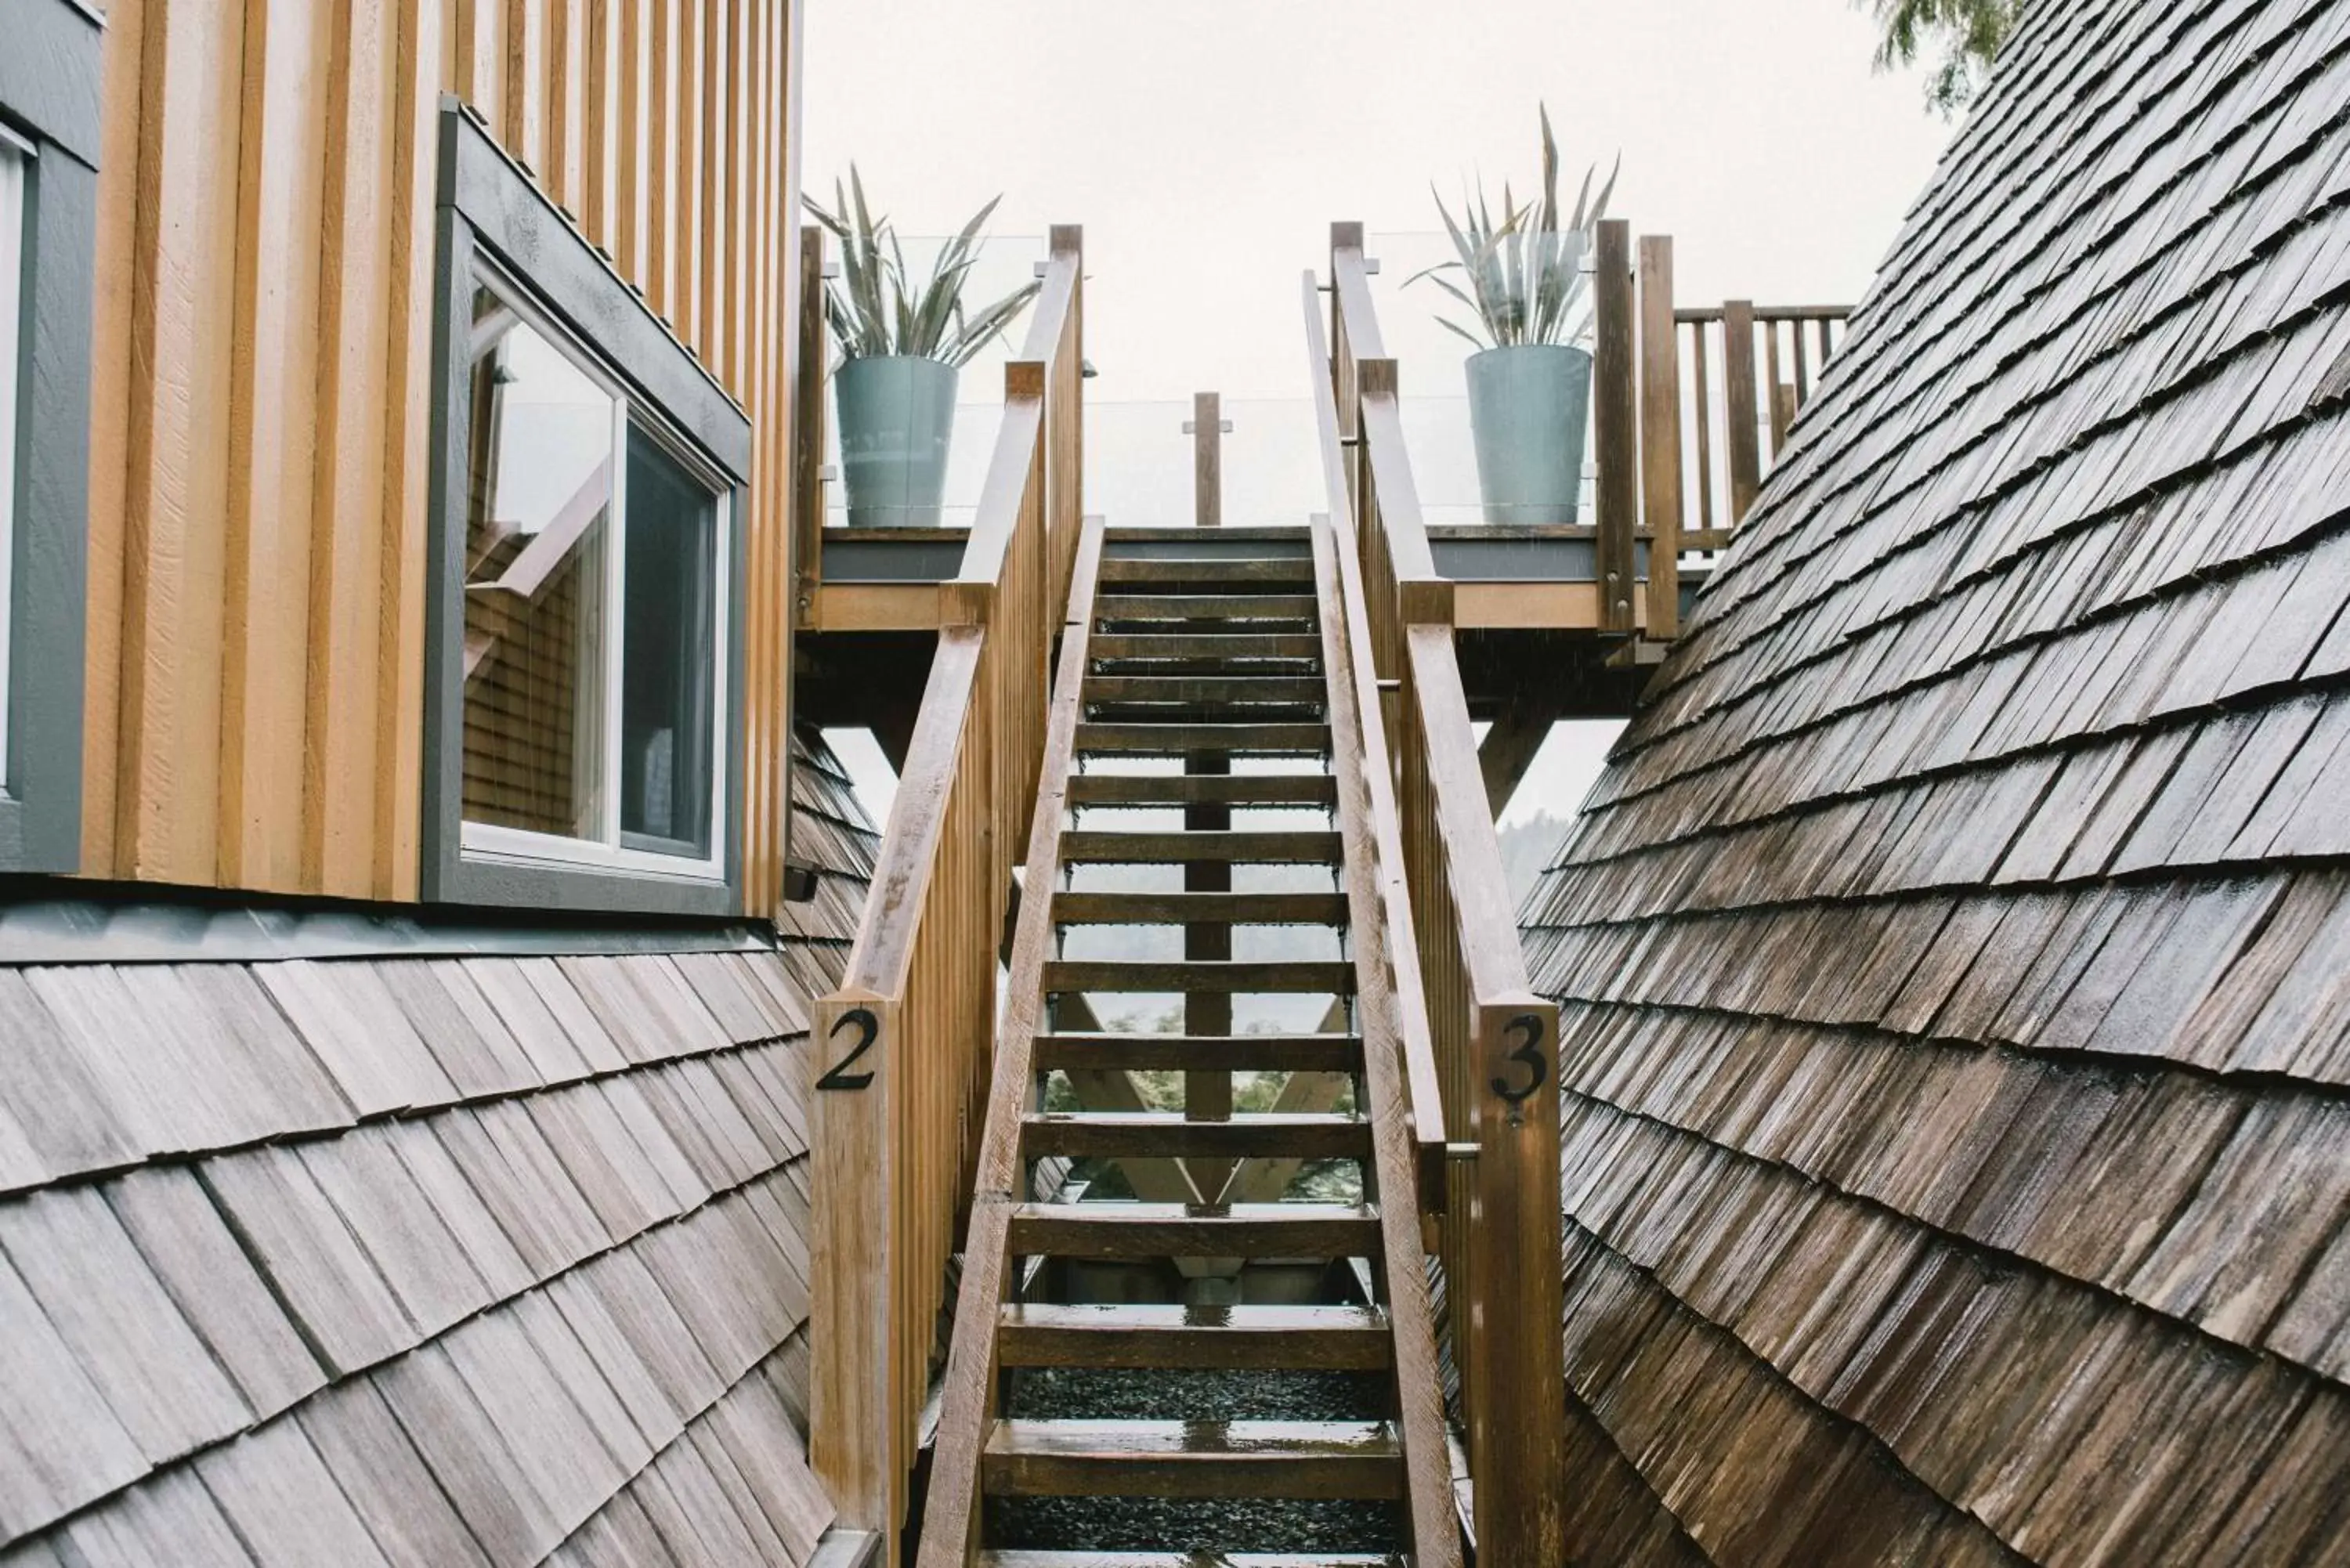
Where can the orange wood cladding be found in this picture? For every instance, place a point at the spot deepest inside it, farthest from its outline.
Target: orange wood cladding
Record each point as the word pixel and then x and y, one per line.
pixel 261 411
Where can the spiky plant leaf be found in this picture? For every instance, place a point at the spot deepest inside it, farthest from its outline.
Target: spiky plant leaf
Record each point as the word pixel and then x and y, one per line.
pixel 877 305
pixel 1524 275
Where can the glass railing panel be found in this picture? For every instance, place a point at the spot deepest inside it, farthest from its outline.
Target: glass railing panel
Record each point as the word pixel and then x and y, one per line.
pixel 1499 437
pixel 1140 462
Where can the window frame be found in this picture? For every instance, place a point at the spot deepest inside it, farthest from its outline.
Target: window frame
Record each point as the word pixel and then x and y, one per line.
pixel 50 80
pixel 493 226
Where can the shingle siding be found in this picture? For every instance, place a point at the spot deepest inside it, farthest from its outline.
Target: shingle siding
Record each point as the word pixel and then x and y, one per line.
pixel 1955 1036
pixel 428 1260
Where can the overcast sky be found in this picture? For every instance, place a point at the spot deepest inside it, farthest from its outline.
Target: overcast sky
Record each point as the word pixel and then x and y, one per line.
pixel 1207 145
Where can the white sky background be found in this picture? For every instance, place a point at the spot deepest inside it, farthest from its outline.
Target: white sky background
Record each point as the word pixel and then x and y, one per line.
pixel 1206 146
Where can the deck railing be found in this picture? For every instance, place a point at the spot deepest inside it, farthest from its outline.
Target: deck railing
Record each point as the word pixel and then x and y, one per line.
pixel 1753 396
pixel 903 1046
pixel 1485 1067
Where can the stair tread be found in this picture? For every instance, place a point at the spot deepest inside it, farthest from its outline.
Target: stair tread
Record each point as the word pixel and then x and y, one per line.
pixel 1205 607
pixel 1325 1338
pixel 1244 845
pixel 1204 1441
pixel 1158 1317
pixel 1254 977
pixel 1201 1053
pixel 1017 1558
pixel 1200 908
pixel 1204 789
pixel 1199 691
pixel 1124 569
pixel 1187 533
pixel 1112 645
pixel 1195 1229
pixel 1195 1458
pixel 1148 739
pixel 1129 1135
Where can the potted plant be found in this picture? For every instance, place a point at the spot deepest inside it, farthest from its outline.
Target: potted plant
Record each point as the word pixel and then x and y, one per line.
pixel 1530 382
pixel 903 344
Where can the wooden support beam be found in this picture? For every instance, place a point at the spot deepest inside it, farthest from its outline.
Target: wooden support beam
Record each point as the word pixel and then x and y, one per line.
pixel 1660 436
pixel 1616 414
pixel 1508 749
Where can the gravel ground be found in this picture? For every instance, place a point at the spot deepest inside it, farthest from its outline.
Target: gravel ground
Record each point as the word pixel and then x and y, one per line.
pixel 1163 1524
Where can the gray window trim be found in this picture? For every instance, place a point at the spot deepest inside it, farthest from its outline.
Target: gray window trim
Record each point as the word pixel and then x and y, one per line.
pixel 488 205
pixel 49 74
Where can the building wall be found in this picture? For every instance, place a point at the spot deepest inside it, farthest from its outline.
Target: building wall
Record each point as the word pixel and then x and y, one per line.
pixel 261 410
pixel 419 1261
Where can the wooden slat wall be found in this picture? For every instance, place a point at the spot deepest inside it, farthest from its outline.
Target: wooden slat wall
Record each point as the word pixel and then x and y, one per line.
pixel 260 420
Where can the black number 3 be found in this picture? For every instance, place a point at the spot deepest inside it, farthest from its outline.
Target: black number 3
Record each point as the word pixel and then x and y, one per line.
pixel 868 1029
pixel 1530 1053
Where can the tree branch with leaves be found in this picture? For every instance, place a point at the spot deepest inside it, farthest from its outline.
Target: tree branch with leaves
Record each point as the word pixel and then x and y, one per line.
pixel 1961 37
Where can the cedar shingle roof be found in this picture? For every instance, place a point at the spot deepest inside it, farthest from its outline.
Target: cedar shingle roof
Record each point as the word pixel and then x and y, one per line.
pixel 424 1261
pixel 1955 958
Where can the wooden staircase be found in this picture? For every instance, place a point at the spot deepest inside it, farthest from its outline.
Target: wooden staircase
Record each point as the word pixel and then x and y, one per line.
pixel 1195 677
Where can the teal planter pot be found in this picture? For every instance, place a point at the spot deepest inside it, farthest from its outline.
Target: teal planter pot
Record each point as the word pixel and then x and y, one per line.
pixel 897 415
pixel 1529 406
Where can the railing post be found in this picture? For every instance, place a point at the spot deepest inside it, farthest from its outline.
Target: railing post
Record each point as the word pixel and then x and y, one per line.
pixel 1616 414
pixel 1065 421
pixel 1660 434
pixel 1207 427
pixel 807 426
pixel 1516 1423
pixel 1738 395
pixel 859 1442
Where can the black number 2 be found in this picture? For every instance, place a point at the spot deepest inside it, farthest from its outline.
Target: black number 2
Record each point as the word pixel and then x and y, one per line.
pixel 1530 1053
pixel 868 1029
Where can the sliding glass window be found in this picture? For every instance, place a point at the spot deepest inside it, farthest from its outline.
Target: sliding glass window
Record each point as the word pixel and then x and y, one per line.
pixel 594 618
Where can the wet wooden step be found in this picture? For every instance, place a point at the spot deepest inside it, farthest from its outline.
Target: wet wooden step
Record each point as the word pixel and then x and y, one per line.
pixel 1206 606
pixel 1241 847
pixel 1194 1459
pixel 1235 645
pixel 1149 739
pixel 1348 1338
pixel 1289 535
pixel 1195 1231
pixel 1214 977
pixel 1017 1558
pixel 1158 570
pixel 1200 908
pixel 1142 1134
pixel 1205 691
pixel 1204 789
pixel 1199 1053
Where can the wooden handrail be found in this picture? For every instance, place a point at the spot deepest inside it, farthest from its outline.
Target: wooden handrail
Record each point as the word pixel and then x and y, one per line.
pixel 903 1043
pixel 1391 1017
pixel 1495 1041
pixel 968 1391
pixel 1423 1091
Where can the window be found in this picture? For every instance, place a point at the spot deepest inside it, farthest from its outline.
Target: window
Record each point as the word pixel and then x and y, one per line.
pixel 587 534
pixel 49 73
pixel 594 581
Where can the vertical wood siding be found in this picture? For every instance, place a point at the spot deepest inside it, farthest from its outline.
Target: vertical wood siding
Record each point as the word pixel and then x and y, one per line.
pixel 265 295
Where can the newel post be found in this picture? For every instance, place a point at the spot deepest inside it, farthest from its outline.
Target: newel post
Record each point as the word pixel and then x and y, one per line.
pixel 860 1428
pixel 1660 434
pixel 1517 1419
pixel 1615 420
